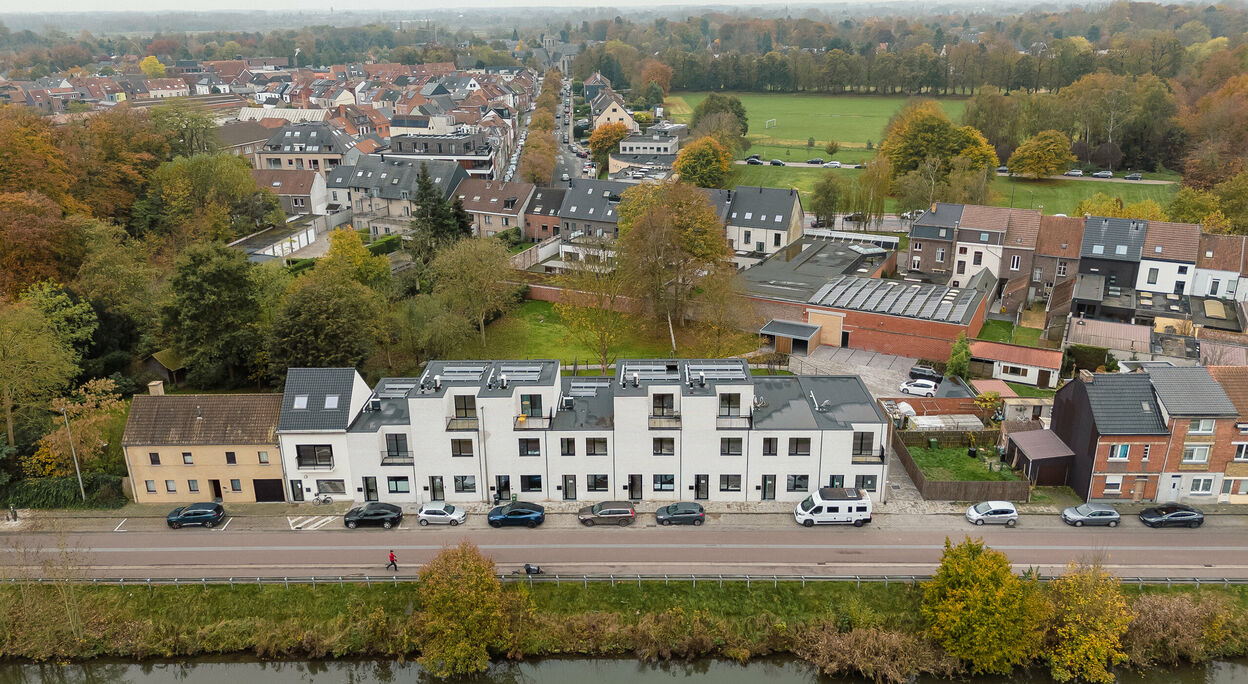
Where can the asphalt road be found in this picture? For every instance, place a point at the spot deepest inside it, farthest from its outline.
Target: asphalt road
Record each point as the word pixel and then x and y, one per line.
pixel 893 544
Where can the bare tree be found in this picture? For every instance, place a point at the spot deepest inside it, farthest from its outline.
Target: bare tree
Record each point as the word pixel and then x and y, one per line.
pixel 593 293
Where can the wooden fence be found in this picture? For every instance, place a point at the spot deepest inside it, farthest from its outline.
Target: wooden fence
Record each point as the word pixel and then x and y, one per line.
pixel 951 438
pixel 937 490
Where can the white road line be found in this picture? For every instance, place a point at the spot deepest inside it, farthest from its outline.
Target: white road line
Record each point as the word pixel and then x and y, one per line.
pixel 294 523
pixel 321 522
pixel 227 524
pixel 118 528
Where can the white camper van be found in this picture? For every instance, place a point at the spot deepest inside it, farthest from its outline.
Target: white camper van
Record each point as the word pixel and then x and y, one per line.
pixel 834 505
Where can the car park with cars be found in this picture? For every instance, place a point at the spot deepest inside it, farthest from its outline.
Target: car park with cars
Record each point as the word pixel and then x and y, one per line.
pixel 993 513
pixel 440 513
pixel 517 514
pixel 373 513
pixel 204 514
pixel 681 513
pixel 1091 514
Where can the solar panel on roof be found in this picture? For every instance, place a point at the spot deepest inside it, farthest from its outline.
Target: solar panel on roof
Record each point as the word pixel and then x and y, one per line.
pixel 942 310
pixel 820 293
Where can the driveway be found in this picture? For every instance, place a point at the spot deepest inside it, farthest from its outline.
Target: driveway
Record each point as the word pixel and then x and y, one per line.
pixel 882 373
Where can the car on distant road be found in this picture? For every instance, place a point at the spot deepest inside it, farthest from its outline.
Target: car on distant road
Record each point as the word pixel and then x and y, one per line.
pixel 910 215
pixel 817 161
pixel 993 513
pixel 831 165
pixel 856 217
pixel 1074 172
pixel 777 162
pixel 754 161
pixel 1103 174
pixel 1091 514
pixel 517 514
pixel 619 513
pixel 373 513
pixel 440 513
pixel 206 514
pixel 752 156
pixel 1134 176
pixel 1003 169
pixel 1172 515
pixel 920 388
pixel 819 223
pixel 926 373
pixel 681 513
pixel 565 177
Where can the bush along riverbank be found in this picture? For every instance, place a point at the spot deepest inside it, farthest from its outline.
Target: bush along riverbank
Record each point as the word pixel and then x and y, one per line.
pixel 974 617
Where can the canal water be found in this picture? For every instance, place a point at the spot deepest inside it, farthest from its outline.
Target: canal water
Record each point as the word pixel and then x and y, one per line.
pixel 622 671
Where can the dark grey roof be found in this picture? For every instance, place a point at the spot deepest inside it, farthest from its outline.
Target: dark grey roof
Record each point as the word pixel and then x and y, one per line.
pixel 769 208
pixel 941 215
pixel 311 387
pixel 393 177
pixel 798 271
pixel 242 132
pixel 486 376
pixel 923 301
pixel 695 377
pixel 391 406
pixel 1123 404
pixel 1116 239
pixel 314 137
pixel 786 403
pixel 547 201
pixel 592 200
pixel 592 401
pixel 792 329
pixel 1190 391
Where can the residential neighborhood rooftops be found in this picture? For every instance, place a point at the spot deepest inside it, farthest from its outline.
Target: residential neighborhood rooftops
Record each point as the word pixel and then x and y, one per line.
pixel 495 197
pixel 386 406
pixel 285 181
pixel 1124 404
pixel 1115 239
pixel 588 404
pixel 1190 391
pixel 1234 382
pixel 395 178
pixel 633 377
pixel 765 208
pixel 202 419
pixel 317 399
pixel 798 271
pixel 1220 252
pixel 317 137
pixel 491 378
pixel 546 201
pixel 592 200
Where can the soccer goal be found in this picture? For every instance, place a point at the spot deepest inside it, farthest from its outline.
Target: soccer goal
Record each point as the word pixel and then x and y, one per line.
pixel 771 123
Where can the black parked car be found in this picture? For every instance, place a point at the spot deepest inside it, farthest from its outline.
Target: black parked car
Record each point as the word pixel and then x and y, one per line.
pixel 384 514
pixel 681 513
pixel 754 161
pixel 926 373
pixel 777 162
pixel 1172 515
pixel 816 161
pixel 207 514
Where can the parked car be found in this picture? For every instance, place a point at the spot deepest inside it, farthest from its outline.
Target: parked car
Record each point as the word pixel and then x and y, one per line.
pixel 919 388
pixel 207 514
pixel 565 177
pixel 911 215
pixel 834 505
pixel 777 162
pixel 681 513
pixel 754 161
pixel 374 513
pixel 752 156
pixel 816 161
pixel 832 165
pixel 1074 172
pixel 619 513
pixel 1134 176
pixel 856 217
pixel 440 513
pixel 1091 514
pixel 1103 174
pixel 818 223
pixel 517 513
pixel 926 373
pixel 993 513
pixel 1003 169
pixel 1172 515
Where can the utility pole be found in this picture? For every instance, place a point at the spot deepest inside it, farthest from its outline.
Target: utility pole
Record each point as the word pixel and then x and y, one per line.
pixel 81 490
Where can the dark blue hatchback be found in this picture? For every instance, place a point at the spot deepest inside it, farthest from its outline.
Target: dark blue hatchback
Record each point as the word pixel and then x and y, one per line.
pixel 517 513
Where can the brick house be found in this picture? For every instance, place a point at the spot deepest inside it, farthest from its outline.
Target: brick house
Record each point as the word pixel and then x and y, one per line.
pixel 541 218
pixel 1202 422
pixel 1057 252
pixel 1234 381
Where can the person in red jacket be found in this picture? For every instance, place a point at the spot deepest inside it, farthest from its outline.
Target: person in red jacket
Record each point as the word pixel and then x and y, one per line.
pixel 394 563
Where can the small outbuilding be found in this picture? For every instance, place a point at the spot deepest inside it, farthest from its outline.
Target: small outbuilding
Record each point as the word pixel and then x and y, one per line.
pixel 1042 456
pixel 792 337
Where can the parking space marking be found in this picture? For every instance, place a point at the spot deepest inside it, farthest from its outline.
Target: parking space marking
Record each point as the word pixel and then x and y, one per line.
pixel 227 524
pixel 322 522
pixel 118 528
pixel 294 522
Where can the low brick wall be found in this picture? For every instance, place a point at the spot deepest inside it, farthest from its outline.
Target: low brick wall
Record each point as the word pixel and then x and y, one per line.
pixel 937 490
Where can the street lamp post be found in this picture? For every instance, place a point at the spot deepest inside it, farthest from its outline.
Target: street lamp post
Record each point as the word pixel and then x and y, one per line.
pixel 81 490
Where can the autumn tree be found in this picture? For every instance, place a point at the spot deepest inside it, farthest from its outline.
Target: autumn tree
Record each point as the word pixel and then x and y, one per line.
pixel 538 161
pixel 326 320
pixel 34 362
pixel 830 196
pixel 470 275
pixel 654 71
pixel 604 140
pixel 349 257
pixel 37 241
pixel 922 130
pixel 1192 205
pixel 115 274
pixel 190 129
pixel 32 161
pixel 721 307
pixel 1090 617
pixel 73 319
pixel 152 68
pixel 705 163
pixel 719 102
pixel 831 148
pixel 981 612
pixel 870 190
pixel 542 120
pixel 723 127
pixel 462 612
pixel 1044 154
pixel 91 409
pixel 423 327
pixel 112 154
pixel 591 299
pixel 1101 204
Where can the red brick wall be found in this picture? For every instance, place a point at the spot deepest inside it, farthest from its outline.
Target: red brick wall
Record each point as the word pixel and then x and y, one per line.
pixel 1221 451
pixel 901 336
pixel 1135 466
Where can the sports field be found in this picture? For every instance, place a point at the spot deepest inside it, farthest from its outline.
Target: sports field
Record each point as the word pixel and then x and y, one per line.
pixel 851 120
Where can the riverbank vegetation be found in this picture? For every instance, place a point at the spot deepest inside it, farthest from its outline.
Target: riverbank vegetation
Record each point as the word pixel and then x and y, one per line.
pixel 975 616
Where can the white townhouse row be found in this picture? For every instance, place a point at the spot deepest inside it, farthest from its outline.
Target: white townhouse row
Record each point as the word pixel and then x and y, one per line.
pixel 665 430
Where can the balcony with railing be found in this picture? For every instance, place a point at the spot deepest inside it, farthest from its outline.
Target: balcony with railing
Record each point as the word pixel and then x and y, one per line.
pixel 461 424
pixel 665 421
pixel 875 457
pixel 731 422
pixel 524 422
pixel 397 458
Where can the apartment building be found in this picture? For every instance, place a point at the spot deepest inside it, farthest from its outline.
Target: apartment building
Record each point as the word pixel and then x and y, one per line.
pixel 657 430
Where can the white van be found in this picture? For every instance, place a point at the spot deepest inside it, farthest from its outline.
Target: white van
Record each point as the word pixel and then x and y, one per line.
pixel 834 505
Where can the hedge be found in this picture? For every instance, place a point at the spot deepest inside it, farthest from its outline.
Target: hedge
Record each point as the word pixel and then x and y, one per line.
pixel 384 245
pixel 103 491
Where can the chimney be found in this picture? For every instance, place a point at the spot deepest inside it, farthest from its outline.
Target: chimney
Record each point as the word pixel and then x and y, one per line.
pixel 156 388
pixel 1087 377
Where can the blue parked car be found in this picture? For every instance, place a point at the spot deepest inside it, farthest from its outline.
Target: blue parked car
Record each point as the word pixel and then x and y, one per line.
pixel 207 514
pixel 517 513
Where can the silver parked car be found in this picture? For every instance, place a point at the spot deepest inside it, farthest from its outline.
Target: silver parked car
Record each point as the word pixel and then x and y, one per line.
pixel 1091 514
pixel 993 513
pixel 440 513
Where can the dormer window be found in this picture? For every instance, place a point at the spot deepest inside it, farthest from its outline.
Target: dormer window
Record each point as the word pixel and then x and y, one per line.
pixel 331 401
pixel 1098 249
pixel 1120 249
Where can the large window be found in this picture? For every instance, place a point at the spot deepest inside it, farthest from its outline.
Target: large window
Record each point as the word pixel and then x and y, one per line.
pixel 1202 485
pixel 396 444
pixel 770 446
pixel 531 405
pixel 567 446
pixel 331 487
pixel 866 482
pixel 729 483
pixel 465 406
pixel 663 405
pixel 1113 484
pixel 314 456
pixel 1119 452
pixel 530 447
pixel 798 483
pixel 664 483
pixel 465 484
pixel 596 483
pixel 398 485
pixel 461 447
pixel 664 446
pixel 530 483
pixel 596 446
pixel 730 405
pixel 1196 453
pixel 1202 426
pixel 799 446
pixel 730 446
pixel 864 443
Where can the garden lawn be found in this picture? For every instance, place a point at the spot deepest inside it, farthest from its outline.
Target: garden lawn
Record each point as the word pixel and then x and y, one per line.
pixel 1004 331
pixel 533 330
pixel 951 464
pixel 1062 196
pixel 1030 390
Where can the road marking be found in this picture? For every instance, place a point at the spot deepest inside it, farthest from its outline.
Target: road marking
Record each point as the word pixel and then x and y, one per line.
pixel 320 522
pixel 227 524
pixel 631 546
pixel 118 528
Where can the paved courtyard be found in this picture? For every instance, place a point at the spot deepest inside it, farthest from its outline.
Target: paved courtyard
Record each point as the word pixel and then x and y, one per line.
pixel 882 373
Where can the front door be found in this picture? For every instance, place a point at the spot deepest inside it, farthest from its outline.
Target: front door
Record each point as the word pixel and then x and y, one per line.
pixel 502 487
pixel 634 487
pixel 569 488
pixel 436 492
pixel 216 489
pixel 701 486
pixel 370 489
pixel 769 487
pixel 1170 490
pixel 1043 380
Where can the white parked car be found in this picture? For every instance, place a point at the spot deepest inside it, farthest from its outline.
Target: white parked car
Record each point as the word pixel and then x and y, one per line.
pixel 920 388
pixel 439 513
pixel 993 513
pixel 832 165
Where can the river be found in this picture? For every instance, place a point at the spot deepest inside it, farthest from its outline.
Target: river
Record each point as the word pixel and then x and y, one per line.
pixel 622 671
